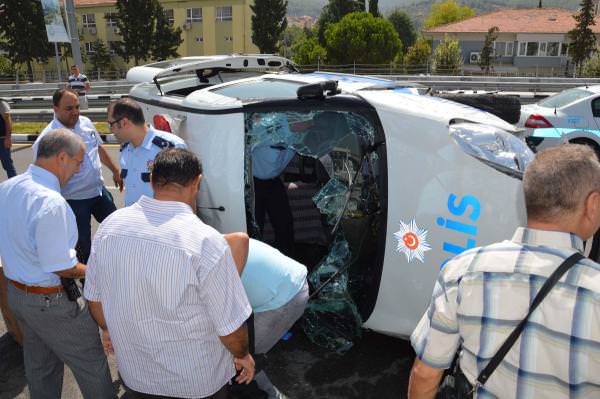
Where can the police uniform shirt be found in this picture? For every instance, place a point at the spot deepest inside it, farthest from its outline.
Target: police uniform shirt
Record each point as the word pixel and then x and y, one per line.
pixel 136 162
pixel 88 182
pixel 77 83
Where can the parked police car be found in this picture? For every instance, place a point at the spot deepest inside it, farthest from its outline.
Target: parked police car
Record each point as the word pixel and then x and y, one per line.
pixel 392 184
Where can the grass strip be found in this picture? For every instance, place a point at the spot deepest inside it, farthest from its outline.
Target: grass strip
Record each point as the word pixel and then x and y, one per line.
pixel 36 127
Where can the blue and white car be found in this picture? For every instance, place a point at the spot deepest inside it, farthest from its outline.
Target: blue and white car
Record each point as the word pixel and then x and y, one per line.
pixel 394 183
pixel 572 115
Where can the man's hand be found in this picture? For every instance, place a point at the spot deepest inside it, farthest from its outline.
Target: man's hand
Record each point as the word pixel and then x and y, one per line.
pixel 107 343
pixel 118 180
pixel 246 365
pixel 424 381
pixel 7 142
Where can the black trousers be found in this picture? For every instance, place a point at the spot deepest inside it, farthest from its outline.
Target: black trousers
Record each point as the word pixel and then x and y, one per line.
pixel 270 197
pixel 222 393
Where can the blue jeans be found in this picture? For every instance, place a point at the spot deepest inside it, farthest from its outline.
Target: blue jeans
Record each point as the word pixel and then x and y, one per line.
pixel 7 162
pixel 100 206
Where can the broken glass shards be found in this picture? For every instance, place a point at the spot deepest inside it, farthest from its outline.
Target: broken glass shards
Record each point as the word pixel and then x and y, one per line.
pixel 331 318
pixel 331 199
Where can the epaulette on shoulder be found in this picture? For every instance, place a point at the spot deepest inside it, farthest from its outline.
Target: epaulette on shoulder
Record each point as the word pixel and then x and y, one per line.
pixel 162 143
pixel 123 146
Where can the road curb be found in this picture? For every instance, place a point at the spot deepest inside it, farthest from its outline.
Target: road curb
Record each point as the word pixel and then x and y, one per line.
pixel 30 138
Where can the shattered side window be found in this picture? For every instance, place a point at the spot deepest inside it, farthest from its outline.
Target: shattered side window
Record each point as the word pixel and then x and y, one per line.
pixel 342 195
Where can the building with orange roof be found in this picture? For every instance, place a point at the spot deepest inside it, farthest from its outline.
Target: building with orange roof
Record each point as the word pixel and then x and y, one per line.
pixel 529 40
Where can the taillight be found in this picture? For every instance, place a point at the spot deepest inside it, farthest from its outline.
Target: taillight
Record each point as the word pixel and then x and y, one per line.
pixel 160 122
pixel 537 121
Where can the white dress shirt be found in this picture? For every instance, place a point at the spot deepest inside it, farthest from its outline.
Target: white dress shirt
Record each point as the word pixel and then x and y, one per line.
pixel 88 182
pixel 169 288
pixel 39 231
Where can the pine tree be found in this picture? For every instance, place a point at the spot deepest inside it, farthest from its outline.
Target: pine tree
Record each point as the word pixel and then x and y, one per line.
pixel 487 51
pixel 268 24
pixel 23 33
pixel 100 57
pixel 134 19
pixel 166 39
pixel 374 8
pixel 333 12
pixel 582 38
pixel 404 26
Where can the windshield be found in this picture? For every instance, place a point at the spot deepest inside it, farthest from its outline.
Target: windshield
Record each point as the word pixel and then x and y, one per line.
pixel 260 89
pixel 564 98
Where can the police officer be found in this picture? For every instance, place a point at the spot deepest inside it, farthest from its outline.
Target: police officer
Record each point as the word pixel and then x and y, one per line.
pixel 139 145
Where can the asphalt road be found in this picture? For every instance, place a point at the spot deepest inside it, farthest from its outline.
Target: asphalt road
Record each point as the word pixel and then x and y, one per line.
pixel 376 367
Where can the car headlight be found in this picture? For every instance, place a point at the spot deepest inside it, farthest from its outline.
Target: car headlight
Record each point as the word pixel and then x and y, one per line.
pixel 493 145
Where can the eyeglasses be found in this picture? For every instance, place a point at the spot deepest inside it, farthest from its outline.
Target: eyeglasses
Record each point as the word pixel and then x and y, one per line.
pixel 110 124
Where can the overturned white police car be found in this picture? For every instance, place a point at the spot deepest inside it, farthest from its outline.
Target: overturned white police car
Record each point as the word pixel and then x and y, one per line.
pixel 389 183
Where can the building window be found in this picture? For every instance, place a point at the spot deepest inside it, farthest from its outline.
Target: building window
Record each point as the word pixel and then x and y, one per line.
pixel 522 48
pixel 564 49
pixel 228 38
pixel 113 46
pixel 168 13
pixel 509 49
pixel 552 49
pixel 199 39
pixel 532 49
pixel 111 18
pixel 89 48
pixel 224 13
pixel 194 15
pixel 89 20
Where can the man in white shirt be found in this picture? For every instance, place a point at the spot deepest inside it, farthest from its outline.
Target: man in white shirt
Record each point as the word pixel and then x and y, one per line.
pixel 85 191
pixel 37 246
pixel 164 288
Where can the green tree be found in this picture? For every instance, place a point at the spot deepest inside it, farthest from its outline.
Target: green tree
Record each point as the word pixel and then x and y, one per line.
pixel 7 68
pixel 417 57
pixel 374 8
pixel 591 66
pixel 166 38
pixel 308 51
pixel 487 51
pixel 290 38
pixel 446 12
pixel 447 58
pixel 404 26
pixel 136 21
pixel 582 38
pixel 23 33
pixel 100 58
pixel 360 37
pixel 268 23
pixel 333 12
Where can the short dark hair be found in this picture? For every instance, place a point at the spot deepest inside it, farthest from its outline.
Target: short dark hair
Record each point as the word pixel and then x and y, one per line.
pixel 175 166
pixel 128 108
pixel 58 95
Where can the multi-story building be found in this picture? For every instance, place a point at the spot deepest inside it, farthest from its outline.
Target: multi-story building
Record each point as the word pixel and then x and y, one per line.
pixel 208 26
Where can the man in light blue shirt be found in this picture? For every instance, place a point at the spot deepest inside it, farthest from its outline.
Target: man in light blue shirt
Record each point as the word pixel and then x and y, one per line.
pixel 271 154
pixel 85 192
pixel 37 250
pixel 139 145
pixel 278 292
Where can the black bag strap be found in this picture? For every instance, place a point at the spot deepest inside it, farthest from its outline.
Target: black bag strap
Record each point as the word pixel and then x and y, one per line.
pixel 512 338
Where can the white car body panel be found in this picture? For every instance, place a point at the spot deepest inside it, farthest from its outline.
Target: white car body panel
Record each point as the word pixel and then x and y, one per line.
pixel 430 180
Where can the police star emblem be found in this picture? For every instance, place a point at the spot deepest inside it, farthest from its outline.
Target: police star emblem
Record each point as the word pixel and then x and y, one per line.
pixel 149 165
pixel 412 241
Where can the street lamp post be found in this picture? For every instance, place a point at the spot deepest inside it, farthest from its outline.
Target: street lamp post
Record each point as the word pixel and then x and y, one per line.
pixel 73 33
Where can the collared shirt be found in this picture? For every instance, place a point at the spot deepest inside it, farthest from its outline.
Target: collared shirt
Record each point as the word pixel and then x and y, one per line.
pixel 270 278
pixel 169 288
pixel 88 182
pixel 480 297
pixel 136 163
pixel 77 83
pixel 40 231
pixel 271 153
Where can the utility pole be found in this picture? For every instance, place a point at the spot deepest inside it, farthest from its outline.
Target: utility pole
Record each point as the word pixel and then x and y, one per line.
pixel 73 33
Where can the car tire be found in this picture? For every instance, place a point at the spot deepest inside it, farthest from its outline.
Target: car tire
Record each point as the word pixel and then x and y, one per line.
pixel 504 107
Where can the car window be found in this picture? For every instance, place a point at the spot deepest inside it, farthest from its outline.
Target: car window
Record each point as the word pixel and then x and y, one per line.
pixel 332 164
pixel 596 107
pixel 564 98
pixel 267 88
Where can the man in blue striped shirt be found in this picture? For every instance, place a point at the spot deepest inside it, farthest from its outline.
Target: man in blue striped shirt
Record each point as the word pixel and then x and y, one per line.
pixel 482 294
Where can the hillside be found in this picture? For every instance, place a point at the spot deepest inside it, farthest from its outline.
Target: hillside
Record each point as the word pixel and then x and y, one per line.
pixel 420 8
